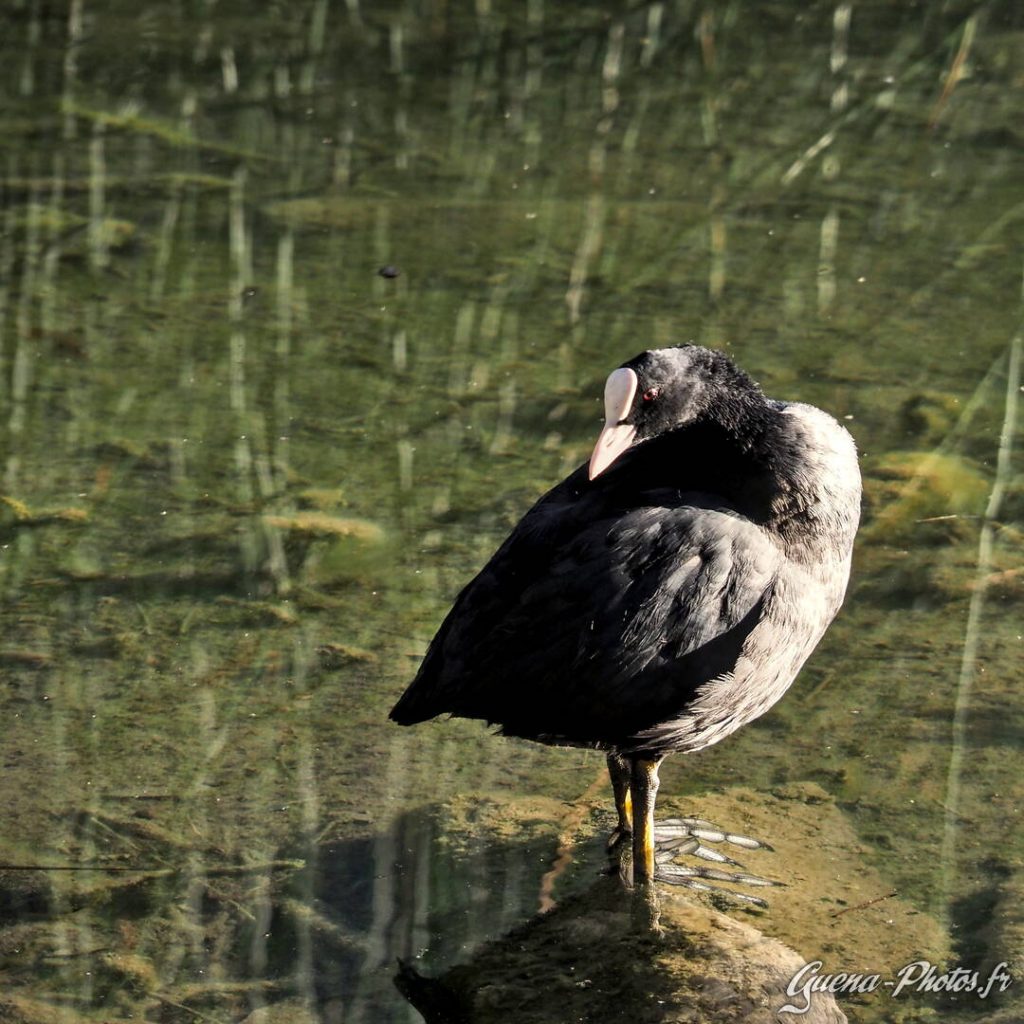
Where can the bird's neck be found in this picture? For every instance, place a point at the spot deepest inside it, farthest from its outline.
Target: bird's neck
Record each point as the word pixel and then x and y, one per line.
pixel 777 465
pixel 819 479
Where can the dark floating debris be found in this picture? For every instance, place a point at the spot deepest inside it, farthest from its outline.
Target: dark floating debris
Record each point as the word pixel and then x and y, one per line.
pixel 389 271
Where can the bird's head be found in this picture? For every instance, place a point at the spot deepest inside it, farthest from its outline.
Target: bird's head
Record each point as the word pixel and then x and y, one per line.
pixel 664 389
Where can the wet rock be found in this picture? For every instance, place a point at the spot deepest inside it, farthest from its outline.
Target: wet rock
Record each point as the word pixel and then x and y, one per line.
pixel 829 908
pixel 322 499
pixel 927 417
pixel 318 524
pixel 909 491
pixel 287 1011
pixel 997 935
pixel 335 655
pixel 17 1010
pixel 135 974
pixel 23 894
pixel 718 960
pixel 584 961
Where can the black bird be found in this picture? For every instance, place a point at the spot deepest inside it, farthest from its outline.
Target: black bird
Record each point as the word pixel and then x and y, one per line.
pixel 666 594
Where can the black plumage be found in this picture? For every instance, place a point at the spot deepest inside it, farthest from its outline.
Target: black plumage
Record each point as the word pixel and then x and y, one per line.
pixel 670 594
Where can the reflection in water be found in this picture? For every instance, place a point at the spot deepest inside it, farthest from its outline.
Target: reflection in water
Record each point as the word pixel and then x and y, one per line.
pixel 412 895
pixel 452 893
pixel 242 473
pixel 326 928
pixel 583 961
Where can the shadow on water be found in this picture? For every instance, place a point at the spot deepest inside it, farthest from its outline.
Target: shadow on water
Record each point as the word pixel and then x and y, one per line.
pixel 586 960
pixel 411 894
pixel 441 912
pixel 315 933
pixel 444 910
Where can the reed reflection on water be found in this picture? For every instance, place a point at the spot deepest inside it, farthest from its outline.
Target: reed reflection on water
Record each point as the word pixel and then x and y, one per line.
pixel 243 473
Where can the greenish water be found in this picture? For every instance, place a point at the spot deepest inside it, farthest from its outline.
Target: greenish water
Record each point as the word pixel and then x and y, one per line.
pixel 243 473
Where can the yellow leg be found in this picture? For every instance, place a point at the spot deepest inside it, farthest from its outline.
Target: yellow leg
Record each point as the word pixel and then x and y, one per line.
pixel 620 771
pixel 643 792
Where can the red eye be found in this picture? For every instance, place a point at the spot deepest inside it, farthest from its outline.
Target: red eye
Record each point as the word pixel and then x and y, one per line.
pixel 650 394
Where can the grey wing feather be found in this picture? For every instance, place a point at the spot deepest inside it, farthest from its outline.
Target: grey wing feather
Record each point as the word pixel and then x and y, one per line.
pixel 676 592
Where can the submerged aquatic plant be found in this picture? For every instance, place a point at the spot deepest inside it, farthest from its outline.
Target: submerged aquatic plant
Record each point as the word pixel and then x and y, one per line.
pixel 972 635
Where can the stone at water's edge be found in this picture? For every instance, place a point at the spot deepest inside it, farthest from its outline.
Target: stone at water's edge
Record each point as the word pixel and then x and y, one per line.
pixel 834 906
pixel 584 962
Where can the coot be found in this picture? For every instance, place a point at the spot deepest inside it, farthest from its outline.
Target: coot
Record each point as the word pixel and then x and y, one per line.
pixel 666 594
